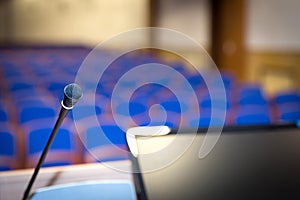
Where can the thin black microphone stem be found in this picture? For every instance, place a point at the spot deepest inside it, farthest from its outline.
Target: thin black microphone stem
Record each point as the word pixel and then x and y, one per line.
pixel 62 115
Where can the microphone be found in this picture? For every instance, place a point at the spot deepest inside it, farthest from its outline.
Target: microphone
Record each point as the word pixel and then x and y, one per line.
pixel 72 93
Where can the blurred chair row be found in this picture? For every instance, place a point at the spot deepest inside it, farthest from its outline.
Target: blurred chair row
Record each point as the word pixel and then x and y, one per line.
pixel 34 86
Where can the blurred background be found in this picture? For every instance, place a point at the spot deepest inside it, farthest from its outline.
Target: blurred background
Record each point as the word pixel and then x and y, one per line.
pixel 254 43
pixel 257 40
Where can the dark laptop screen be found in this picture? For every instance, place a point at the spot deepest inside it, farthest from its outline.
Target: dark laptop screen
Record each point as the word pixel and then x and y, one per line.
pixel 254 164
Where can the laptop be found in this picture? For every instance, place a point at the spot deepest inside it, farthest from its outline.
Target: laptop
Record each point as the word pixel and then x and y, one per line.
pixel 247 162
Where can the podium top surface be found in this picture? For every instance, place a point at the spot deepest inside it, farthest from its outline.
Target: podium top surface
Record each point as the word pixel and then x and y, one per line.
pixel 13 183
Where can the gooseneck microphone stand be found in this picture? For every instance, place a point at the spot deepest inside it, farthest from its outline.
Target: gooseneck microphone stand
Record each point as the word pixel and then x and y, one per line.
pixel 72 93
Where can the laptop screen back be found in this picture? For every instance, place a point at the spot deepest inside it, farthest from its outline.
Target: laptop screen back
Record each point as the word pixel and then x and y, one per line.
pixel 242 165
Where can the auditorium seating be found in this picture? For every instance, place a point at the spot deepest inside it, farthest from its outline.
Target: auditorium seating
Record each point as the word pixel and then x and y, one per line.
pixel 253 114
pixel 3 113
pixel 85 111
pixel 64 148
pixel 8 154
pixel 104 144
pixel 288 105
pixel 34 77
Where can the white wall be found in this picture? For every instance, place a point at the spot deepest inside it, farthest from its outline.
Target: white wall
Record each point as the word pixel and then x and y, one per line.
pixel 273 25
pixel 191 17
pixel 92 21
pixel 73 21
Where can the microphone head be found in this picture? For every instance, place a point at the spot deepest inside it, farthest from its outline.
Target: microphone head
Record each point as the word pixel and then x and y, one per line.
pixel 72 93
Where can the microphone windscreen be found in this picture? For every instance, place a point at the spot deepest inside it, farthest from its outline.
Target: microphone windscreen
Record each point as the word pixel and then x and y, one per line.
pixel 72 93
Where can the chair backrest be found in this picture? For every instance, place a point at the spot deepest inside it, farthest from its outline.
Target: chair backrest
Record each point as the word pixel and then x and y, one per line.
pixel 38 139
pixel 133 108
pixel 252 114
pixel 105 143
pixel 63 150
pixel 253 119
pixel 84 111
pixel 289 111
pixel 36 112
pixel 20 86
pixel 287 97
pixel 6 144
pixel 252 94
pixel 206 121
pixel 288 106
pixel 7 148
pixel 3 115
pixel 107 134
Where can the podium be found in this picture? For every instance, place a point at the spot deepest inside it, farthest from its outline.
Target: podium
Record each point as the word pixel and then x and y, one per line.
pixel 13 183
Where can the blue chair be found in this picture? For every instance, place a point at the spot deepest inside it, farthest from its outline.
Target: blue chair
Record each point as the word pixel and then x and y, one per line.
pixel 31 102
pixel 251 90
pixel 252 94
pixel 25 94
pixel 196 80
pixel 3 114
pixel 36 112
pixel 57 88
pixel 149 93
pixel 130 108
pixel 255 99
pixel 289 111
pixel 174 106
pixel 7 148
pixel 63 150
pixel 20 86
pixel 228 80
pixel 253 115
pixel 93 190
pixel 206 103
pixel 107 143
pixel 206 122
pixel 206 119
pixel 253 119
pixel 290 116
pixel 287 97
pixel 288 105
pixel 85 111
pixel 10 71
